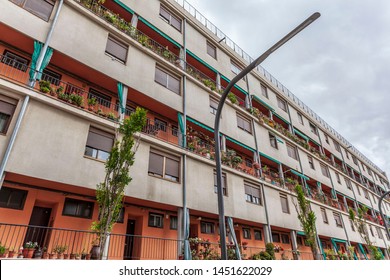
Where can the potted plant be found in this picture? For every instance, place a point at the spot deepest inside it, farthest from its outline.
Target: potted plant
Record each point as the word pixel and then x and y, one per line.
pixel 60 249
pixel 91 103
pixel 11 253
pixel 37 253
pixel 111 116
pixel 2 251
pixel 29 249
pixel 265 169
pixel 232 98
pixel 45 255
pixel 256 165
pixel 95 250
pixel 44 86
pixel 244 245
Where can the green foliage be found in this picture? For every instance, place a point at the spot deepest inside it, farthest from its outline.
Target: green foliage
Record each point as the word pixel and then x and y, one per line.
pixel 268 254
pixel 44 86
pixel 109 193
pixel 232 98
pixel 76 99
pixel 307 219
pixel 2 249
pixel 270 249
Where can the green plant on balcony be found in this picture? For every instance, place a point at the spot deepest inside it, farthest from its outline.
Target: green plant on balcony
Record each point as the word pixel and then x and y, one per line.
pixel 59 90
pixel 76 99
pixel 265 169
pixel 255 112
pixel 63 96
pixel 91 103
pixel 44 86
pixel 143 39
pixel 232 98
pixel 208 83
pixel 236 160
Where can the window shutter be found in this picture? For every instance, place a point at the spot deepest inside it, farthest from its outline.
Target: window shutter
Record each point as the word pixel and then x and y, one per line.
pixel 160 77
pixel 7 108
pixel 172 167
pixel 156 163
pixel 165 14
pixel 100 140
pixel 173 84
pixel 116 49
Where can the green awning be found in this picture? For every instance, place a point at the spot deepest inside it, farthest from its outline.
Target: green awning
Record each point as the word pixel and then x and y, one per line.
pixel 301 233
pixel 240 144
pixel 124 6
pixel 301 134
pixel 345 195
pixel 283 119
pixel 159 32
pixel 270 158
pixel 362 250
pixel 339 240
pixel 201 61
pixel 299 174
pixel 236 86
pixel 200 124
pixel 262 102
pixel 315 142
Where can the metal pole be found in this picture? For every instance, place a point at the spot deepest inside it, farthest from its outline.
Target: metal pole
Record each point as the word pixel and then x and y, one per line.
pixel 250 67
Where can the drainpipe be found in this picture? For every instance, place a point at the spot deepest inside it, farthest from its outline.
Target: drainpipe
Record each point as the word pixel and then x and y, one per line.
pixel 185 216
pixel 27 98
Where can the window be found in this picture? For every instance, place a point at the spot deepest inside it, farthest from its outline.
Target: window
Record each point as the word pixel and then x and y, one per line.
pixel 167 80
pixel 326 138
pixel 380 234
pixel 285 238
pixel 369 171
pixel 275 237
pixel 273 141
pixel 324 216
pixel 12 198
pixel 338 178
pixel 211 50
pixel 365 193
pixel 6 113
pixel 235 68
pixel 258 235
pixel 324 170
pixel 337 146
pixel 164 166
pixel 264 90
pixel 311 162
pixel 15 61
pixel 156 220
pixel 160 124
pixel 244 124
pixel 224 186
pixel 207 227
pixel 246 232
pixel 354 160
pixel 173 223
pixel 299 240
pixel 40 8
pixel 300 118
pixel 348 183
pixel 175 130
pixel 358 189
pixel 78 208
pixel 337 219
pixel 99 144
pixel 116 49
pixel 51 76
pixel 282 104
pixel 372 231
pixel 170 19
pixel 101 98
pixel 291 151
pixel 284 203
pixel 352 225
pixel 363 167
pixel 313 128
pixel 252 194
pixel 213 106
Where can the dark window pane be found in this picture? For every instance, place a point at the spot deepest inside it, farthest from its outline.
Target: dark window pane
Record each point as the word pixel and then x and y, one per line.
pixel 172 168
pixel 156 163
pixel 116 49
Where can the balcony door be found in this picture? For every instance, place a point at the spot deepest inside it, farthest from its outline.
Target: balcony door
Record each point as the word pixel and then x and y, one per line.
pixel 37 230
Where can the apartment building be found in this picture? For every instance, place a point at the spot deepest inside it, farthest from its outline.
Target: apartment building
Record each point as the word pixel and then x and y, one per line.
pixel 102 60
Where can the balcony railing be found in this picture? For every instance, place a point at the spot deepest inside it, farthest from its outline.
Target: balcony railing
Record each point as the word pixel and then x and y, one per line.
pixel 77 244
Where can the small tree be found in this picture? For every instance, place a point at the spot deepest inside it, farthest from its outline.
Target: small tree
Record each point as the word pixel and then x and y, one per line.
pixel 360 222
pixel 307 218
pixel 110 193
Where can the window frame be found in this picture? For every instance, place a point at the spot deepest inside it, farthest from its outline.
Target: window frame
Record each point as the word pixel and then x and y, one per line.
pixel 264 90
pixel 338 220
pixel 213 105
pixel 324 215
pixel 117 43
pixel 282 104
pixel 257 233
pixel 51 76
pixel 246 123
pixel 169 76
pixel 157 221
pixel 101 98
pixel 46 18
pixel 283 239
pixel 285 208
pixel 98 148
pixel 7 109
pixel 207 227
pixel 164 175
pixel 171 16
pixel 292 151
pixel 88 204
pixel 173 222
pixel 246 233
pixel 212 47
pixel 313 128
pixel 15 60
pixel 224 183
pixel 250 197
pixel 337 146
pixel 273 141
pixel 324 170
pixel 300 118
pixel 311 162
pixel 12 192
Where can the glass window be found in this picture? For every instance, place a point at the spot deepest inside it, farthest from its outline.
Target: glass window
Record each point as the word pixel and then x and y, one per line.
pixel 264 90
pixel 14 60
pixel 291 151
pixel 78 208
pixel 40 8
pixel 348 183
pixel 282 104
pixel 167 80
pixel 273 141
pixel 284 203
pixel 337 219
pixel 99 144
pixel 213 106
pixel 324 216
pixel 173 223
pixel 352 225
pixel 276 237
pixel 156 220
pixel 300 118
pixel 211 50
pixel 285 238
pixel 224 185
pixel 380 234
pixel 6 113
pixel 252 194
pixel 246 232
pixel 160 124
pixel 170 18
pixel 338 178
pixel 244 124
pixel 337 146
pixel 207 227
pixel 116 49
pixel 324 170
pixel 101 98
pixel 164 166
pixel 313 128
pixel 311 162
pixel 51 76
pixel 12 198
pixel 258 235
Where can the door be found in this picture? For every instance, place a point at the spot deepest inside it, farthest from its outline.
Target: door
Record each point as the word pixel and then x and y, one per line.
pixel 37 230
pixel 129 240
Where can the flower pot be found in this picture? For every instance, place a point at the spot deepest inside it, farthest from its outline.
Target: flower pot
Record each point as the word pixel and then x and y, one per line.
pixel 72 256
pixel 95 252
pixel 28 253
pixel 60 256
pixel 11 254
pixel 37 254
pixel 66 256
pixel 52 256
pixel 45 255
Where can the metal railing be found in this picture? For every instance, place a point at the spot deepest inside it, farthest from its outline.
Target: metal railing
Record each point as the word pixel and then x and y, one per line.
pixel 78 243
pixel 284 90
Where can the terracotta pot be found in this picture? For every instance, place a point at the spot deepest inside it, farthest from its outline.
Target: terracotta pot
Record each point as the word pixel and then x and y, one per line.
pixel 11 254
pixel 28 253
pixel 95 252
pixel 52 256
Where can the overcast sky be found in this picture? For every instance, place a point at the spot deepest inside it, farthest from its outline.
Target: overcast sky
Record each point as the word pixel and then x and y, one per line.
pixel 339 66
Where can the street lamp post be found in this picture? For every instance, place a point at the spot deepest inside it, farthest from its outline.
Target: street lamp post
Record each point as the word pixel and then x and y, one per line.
pixel 250 67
